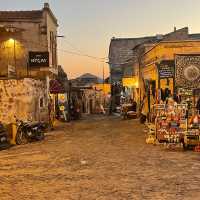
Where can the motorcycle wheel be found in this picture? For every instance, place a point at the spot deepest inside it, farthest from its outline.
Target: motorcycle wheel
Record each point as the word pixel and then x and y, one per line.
pixel 40 136
pixel 21 138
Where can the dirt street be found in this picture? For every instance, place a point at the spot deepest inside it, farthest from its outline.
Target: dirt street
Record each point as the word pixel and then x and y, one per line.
pixel 101 158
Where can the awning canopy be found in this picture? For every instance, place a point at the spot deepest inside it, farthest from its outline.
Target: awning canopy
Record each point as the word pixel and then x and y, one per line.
pixel 56 87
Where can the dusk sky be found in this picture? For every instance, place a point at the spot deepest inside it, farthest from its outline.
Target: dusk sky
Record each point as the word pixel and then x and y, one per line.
pixel 88 25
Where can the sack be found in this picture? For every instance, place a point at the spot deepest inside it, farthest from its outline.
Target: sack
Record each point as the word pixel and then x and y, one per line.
pixel 150 139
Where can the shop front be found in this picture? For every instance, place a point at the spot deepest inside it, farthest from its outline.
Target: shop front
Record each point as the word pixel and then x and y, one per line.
pixel 177 118
pixel 130 89
pixel 58 106
pixel 170 90
pixel 149 82
pixel 168 69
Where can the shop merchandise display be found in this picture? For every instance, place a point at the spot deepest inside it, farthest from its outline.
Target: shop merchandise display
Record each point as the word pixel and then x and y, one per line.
pixel 174 124
pixel 192 136
pixel 171 122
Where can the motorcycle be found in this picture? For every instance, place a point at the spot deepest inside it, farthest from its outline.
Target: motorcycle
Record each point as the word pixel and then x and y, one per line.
pixel 127 112
pixel 29 131
pixel 75 113
pixel 4 140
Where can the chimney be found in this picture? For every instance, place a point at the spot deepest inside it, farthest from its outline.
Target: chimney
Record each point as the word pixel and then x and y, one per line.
pixel 174 28
pixel 46 5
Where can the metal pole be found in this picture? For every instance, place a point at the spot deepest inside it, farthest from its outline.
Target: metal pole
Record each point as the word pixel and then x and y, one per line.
pixel 103 87
pixel 69 101
pixel 111 95
pixel 15 63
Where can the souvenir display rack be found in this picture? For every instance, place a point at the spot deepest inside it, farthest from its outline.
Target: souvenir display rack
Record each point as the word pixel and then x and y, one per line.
pixel 171 123
pixel 192 137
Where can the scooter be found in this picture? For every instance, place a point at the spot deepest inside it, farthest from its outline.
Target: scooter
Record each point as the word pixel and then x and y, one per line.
pixel 29 131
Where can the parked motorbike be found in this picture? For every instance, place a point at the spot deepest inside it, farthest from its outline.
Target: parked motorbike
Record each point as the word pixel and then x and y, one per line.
pixel 4 140
pixel 127 112
pixel 75 113
pixel 29 131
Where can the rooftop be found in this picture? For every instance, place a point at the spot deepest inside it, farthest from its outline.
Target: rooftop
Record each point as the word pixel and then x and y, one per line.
pixel 121 49
pixel 26 15
pixel 21 14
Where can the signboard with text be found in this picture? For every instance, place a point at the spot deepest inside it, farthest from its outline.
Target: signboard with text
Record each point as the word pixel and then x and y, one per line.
pixel 166 69
pixel 38 59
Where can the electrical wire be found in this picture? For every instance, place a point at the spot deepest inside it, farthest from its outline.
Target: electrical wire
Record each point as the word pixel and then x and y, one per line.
pixel 84 55
pixel 78 53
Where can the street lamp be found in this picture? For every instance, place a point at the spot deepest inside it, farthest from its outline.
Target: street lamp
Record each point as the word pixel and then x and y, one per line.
pixel 12 42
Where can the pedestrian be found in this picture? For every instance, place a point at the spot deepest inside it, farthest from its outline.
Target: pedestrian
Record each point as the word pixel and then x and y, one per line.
pixel 51 113
pixel 102 109
pixel 134 105
pixel 198 105
pixel 144 110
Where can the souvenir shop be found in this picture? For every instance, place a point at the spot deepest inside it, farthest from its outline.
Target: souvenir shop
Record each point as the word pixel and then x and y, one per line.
pixel 58 101
pixel 175 119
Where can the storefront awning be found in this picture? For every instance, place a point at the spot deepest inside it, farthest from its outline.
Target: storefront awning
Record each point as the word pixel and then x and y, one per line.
pixel 56 87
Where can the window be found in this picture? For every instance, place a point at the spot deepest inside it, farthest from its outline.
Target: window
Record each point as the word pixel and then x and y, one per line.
pixel 41 102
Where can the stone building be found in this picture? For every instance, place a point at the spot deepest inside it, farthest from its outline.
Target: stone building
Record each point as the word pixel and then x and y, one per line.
pixel 23 32
pixel 24 98
pixel 125 57
pixel 167 67
pixel 28 61
pixel 120 62
pixel 91 93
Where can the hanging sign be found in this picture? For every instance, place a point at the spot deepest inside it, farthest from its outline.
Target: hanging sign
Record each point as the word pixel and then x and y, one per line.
pixel 187 71
pixel 38 59
pixel 166 69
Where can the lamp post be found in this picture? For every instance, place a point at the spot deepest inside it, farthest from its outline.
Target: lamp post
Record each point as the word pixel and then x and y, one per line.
pixel 12 43
pixel 15 63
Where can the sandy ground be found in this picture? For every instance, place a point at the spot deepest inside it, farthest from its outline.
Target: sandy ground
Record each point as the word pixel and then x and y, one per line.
pixel 101 158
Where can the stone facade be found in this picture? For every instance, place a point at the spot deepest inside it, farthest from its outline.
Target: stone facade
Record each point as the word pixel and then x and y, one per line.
pixel 92 100
pixel 25 98
pixel 165 54
pixel 30 31
pixel 126 52
pixel 25 93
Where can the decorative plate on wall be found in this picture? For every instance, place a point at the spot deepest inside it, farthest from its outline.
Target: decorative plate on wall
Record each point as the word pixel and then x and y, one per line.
pixel 187 71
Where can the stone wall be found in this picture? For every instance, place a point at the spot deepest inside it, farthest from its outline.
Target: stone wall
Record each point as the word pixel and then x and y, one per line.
pixel 29 40
pixel 25 98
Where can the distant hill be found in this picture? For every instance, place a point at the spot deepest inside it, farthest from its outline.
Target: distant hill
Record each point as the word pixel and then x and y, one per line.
pixel 87 79
pixel 91 77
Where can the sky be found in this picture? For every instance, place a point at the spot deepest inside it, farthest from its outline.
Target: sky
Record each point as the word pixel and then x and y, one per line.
pixel 88 25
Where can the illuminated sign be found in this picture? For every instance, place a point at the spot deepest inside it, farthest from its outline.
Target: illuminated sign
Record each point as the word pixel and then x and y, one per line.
pixel 38 59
